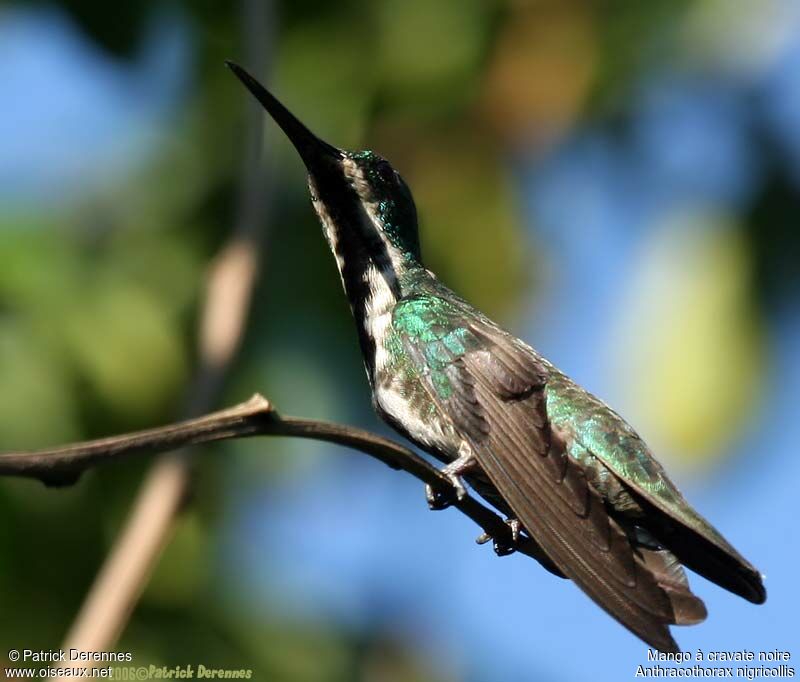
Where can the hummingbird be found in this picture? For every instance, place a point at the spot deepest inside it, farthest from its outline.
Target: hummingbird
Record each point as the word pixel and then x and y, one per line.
pixel 568 472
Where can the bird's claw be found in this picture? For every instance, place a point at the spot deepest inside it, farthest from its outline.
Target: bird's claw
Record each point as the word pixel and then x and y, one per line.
pixel 442 498
pixel 439 499
pixel 501 547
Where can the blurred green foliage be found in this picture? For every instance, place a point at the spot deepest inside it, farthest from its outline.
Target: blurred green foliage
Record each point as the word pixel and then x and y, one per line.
pixel 99 295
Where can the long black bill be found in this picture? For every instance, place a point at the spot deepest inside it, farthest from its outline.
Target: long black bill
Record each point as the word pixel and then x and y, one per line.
pixel 311 149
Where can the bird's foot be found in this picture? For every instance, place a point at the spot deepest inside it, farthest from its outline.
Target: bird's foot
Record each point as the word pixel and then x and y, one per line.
pixel 438 499
pixel 502 547
pixel 444 497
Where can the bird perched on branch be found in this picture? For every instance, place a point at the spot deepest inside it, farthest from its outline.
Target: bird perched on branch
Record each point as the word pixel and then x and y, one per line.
pixel 567 470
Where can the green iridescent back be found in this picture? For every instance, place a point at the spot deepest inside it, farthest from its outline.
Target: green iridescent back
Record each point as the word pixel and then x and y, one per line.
pixel 425 322
pixel 430 323
pixel 598 432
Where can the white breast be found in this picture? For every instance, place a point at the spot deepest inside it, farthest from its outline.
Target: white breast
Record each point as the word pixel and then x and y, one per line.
pixel 424 431
pixel 378 313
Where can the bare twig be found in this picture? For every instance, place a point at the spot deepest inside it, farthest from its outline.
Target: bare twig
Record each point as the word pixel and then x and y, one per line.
pixel 256 417
pixel 127 568
pixel 63 465
pixel 230 283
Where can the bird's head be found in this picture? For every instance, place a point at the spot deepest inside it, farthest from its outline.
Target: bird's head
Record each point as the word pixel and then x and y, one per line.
pixel 358 196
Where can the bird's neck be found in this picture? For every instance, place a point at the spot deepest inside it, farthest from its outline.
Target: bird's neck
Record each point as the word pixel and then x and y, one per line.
pixel 374 283
pixel 375 273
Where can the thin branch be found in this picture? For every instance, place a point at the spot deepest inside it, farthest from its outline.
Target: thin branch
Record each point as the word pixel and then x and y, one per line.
pixel 64 465
pixel 256 417
pixel 230 282
pixel 128 566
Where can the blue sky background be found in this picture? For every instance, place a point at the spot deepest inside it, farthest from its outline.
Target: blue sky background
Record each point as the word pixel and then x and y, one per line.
pixel 344 540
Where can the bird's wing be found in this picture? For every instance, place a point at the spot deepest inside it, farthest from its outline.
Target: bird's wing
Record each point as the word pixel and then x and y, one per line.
pixel 698 545
pixel 493 386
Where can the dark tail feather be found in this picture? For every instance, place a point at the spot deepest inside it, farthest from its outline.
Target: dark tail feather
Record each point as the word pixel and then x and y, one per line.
pixel 708 560
pixel 696 552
